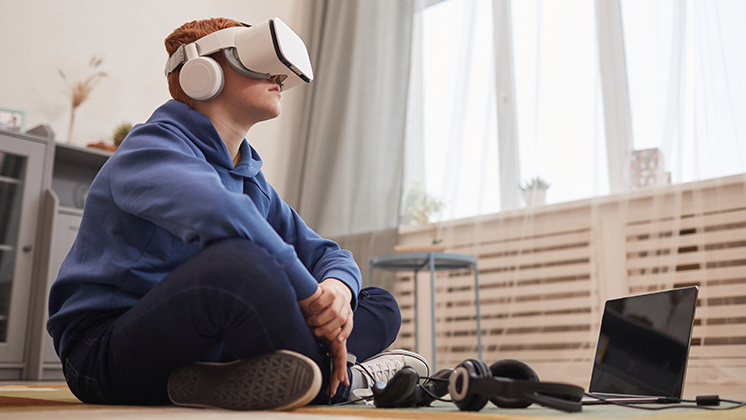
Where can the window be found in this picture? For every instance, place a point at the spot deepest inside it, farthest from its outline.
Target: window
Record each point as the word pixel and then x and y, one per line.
pixel 682 67
pixel 685 63
pixel 458 129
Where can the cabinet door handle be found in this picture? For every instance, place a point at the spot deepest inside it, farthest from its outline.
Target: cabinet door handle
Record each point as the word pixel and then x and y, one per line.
pixel 27 248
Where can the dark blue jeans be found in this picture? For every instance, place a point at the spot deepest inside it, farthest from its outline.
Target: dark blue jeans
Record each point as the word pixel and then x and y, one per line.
pixel 230 301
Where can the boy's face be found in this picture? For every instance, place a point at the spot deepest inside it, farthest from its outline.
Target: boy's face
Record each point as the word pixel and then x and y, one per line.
pixel 255 99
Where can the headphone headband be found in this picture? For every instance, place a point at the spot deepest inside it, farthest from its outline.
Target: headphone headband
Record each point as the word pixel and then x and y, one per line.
pixel 509 384
pixel 561 396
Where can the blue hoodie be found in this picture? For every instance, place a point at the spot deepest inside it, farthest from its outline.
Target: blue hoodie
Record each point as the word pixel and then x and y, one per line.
pixel 168 191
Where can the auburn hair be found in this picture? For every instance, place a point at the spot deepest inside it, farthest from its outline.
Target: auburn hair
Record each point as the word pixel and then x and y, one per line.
pixel 185 34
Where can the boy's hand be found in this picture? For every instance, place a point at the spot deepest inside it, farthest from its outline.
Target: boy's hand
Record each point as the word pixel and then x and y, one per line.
pixel 338 351
pixel 329 316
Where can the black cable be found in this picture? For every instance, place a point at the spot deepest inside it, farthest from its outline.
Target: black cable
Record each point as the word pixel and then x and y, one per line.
pixel 433 395
pixel 702 403
pixel 352 401
pixel 429 378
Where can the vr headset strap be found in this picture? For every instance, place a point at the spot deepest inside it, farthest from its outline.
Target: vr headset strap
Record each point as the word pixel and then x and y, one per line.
pixel 177 58
pixel 208 44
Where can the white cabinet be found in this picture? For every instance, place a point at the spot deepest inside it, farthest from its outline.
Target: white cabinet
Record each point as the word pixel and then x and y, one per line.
pixel 22 181
pixel 43 186
pixel 60 227
pixel 62 210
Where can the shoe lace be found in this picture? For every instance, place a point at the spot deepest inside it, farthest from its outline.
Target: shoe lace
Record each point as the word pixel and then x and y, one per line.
pixel 382 371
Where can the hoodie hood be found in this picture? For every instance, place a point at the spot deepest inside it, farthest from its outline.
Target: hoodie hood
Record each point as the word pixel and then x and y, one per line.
pixel 201 133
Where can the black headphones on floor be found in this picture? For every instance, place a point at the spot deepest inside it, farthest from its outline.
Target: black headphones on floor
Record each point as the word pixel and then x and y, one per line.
pixel 507 384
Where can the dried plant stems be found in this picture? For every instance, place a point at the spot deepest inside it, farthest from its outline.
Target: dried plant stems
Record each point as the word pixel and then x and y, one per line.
pixel 81 90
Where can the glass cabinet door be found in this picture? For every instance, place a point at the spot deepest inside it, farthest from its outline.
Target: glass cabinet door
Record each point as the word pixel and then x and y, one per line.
pixel 21 175
pixel 12 170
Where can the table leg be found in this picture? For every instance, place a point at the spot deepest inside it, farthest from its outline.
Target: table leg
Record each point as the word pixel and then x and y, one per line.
pixel 478 315
pixel 415 317
pixel 432 311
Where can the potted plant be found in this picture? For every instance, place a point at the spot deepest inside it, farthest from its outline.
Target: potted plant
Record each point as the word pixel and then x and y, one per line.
pixel 120 132
pixel 535 191
pixel 422 209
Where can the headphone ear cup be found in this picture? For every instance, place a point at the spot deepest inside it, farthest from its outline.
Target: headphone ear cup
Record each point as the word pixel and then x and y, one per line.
pixel 201 78
pixel 513 369
pixel 399 391
pixel 458 385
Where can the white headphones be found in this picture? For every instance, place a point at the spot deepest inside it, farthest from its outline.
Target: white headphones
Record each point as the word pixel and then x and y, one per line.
pixel 260 52
pixel 201 78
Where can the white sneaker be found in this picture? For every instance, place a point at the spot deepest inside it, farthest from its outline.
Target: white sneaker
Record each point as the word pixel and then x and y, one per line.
pixel 383 366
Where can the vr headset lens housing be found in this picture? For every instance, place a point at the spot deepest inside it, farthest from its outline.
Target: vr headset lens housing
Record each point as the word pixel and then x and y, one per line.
pixel 261 51
pixel 282 52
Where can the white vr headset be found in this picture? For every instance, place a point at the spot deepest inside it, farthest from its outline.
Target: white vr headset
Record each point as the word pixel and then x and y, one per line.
pixel 260 52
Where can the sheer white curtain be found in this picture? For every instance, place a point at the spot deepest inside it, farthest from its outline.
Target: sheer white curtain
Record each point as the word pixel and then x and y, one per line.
pixel 452 108
pixel 686 63
pixel 555 97
pixel 679 62
pixel 633 111
pixel 346 170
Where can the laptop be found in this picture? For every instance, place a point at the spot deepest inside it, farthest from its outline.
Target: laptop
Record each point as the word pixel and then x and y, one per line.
pixel 643 348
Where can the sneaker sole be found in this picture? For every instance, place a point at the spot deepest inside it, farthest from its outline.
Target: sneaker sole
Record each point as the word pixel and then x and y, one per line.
pixel 283 380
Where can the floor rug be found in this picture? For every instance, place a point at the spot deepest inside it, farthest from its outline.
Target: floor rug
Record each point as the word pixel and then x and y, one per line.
pixel 36 401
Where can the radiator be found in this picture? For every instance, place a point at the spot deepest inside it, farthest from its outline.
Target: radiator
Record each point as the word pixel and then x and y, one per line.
pixel 545 273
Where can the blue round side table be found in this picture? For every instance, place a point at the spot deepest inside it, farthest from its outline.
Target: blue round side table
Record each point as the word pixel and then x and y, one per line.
pixel 434 261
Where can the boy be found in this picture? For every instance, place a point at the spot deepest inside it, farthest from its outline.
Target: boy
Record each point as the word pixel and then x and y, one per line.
pixel 191 281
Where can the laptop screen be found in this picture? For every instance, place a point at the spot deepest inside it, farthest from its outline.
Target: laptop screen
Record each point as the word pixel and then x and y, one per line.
pixel 643 346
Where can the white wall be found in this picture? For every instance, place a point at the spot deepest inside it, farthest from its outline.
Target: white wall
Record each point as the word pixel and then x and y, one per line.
pixel 41 37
